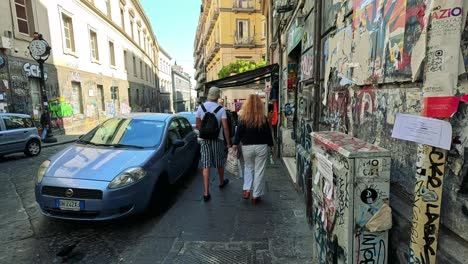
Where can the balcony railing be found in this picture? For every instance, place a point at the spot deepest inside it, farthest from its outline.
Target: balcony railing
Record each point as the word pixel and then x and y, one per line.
pixel 243 6
pixel 244 42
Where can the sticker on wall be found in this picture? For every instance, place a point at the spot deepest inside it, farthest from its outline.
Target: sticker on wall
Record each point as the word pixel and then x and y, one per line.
pixel 369 196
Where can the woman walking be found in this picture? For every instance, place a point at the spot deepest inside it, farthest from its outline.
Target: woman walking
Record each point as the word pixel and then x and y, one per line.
pixel 254 133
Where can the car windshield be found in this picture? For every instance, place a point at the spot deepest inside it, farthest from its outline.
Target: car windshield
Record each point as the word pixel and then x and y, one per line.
pixel 121 132
pixel 191 117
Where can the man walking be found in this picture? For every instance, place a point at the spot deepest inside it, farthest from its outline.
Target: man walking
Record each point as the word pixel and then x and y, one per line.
pixel 45 120
pixel 211 122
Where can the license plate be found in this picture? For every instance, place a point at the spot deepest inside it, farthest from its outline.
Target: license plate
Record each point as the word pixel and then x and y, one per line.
pixel 69 205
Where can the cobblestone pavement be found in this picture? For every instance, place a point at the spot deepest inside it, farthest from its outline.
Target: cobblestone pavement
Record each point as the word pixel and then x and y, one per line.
pixel 225 230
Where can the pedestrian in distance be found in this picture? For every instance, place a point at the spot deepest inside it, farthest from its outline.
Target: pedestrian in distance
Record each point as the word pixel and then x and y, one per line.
pixel 45 120
pixel 254 133
pixel 211 122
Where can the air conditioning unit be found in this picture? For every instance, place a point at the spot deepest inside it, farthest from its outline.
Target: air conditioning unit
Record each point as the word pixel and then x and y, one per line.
pixel 5 43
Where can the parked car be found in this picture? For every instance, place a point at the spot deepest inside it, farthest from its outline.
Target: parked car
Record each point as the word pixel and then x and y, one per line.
pixel 121 167
pixel 192 118
pixel 18 134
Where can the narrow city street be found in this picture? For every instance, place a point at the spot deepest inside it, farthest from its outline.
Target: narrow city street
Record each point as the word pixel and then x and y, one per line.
pixel 226 229
pixel 28 237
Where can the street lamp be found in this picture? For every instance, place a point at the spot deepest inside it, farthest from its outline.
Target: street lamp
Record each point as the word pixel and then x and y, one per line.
pixel 39 50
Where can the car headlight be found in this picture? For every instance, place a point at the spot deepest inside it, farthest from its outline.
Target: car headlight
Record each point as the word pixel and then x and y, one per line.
pixel 42 170
pixel 127 177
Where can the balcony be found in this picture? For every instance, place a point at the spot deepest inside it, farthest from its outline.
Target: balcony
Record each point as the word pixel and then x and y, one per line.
pixel 244 42
pixel 202 76
pixel 213 51
pixel 243 6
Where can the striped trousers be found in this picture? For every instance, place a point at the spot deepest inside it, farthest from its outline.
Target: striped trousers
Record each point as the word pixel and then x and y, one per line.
pixel 213 153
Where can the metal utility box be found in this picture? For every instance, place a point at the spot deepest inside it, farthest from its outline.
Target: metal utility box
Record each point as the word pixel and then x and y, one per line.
pixel 350 191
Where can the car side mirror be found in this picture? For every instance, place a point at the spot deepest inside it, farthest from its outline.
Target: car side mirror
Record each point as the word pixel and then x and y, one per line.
pixel 177 143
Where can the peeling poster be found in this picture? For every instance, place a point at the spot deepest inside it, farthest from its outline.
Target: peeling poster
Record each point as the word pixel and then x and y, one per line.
pixel 443 48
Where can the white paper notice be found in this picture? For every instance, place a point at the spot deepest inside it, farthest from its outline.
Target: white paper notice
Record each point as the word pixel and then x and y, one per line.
pixel 325 167
pixel 424 130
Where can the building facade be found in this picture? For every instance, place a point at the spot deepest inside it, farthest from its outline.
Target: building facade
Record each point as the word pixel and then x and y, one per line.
pixel 351 67
pixel 227 31
pixel 165 75
pixel 103 60
pixel 181 89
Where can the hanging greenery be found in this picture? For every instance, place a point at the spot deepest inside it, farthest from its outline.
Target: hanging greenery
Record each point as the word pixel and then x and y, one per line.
pixel 239 66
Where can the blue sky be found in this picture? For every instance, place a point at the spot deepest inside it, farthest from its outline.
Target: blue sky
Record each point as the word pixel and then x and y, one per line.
pixel 174 22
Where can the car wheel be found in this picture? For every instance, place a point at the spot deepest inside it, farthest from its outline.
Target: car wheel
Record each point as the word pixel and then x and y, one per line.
pixel 33 148
pixel 159 198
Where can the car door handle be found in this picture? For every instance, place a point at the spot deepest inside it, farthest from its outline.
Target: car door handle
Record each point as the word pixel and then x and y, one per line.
pixel 25 132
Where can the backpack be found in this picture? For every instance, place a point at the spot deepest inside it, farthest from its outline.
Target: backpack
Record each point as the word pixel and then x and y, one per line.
pixel 232 122
pixel 209 128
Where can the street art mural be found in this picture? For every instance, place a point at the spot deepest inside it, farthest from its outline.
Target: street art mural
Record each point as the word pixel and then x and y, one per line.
pixel 350 212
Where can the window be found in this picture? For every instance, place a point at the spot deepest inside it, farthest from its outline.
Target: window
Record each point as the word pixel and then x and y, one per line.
pixel 16 122
pixel 242 30
pixel 141 69
pixel 186 127
pixel 125 60
pixel 129 96
pixel 132 19
pixel 144 43
pixel 108 8
pixel 68 33
pixel 264 29
pixel 94 45
pixel 22 16
pixel 137 96
pixel 77 99
pixel 146 71
pixel 122 17
pixel 100 95
pixel 111 53
pixel 139 36
pixel 134 67
pixel 139 133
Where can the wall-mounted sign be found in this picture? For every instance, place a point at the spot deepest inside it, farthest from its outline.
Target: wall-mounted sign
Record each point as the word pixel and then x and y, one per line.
pixel 33 70
pixel 294 36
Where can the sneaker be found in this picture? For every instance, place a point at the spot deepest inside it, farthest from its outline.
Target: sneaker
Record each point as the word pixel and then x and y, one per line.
pixel 225 182
pixel 245 195
pixel 206 198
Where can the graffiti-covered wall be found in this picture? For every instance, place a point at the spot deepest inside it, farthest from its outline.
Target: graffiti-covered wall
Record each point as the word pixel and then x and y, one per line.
pixel 380 59
pixel 372 60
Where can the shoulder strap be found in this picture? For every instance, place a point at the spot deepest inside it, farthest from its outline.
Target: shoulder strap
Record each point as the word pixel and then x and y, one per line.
pixel 217 109
pixel 203 108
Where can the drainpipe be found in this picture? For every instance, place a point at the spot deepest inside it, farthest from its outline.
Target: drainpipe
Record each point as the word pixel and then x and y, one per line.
pixel 318 64
pixel 280 82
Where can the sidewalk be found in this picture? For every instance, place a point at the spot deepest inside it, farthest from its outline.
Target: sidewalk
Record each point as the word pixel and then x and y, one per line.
pixel 61 139
pixel 228 229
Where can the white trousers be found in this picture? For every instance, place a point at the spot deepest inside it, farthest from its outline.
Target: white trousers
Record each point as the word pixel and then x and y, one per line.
pixel 255 157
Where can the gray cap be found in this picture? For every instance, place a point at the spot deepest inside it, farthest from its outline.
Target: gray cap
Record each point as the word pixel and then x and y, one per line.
pixel 214 93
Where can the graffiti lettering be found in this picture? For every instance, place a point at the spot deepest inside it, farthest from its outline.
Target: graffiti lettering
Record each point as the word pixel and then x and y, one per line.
pixel 446 13
pixel 372 250
pixel 343 198
pixel 426 211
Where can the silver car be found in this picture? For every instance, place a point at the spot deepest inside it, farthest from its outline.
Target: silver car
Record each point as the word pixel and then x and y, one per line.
pixel 121 167
pixel 18 134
